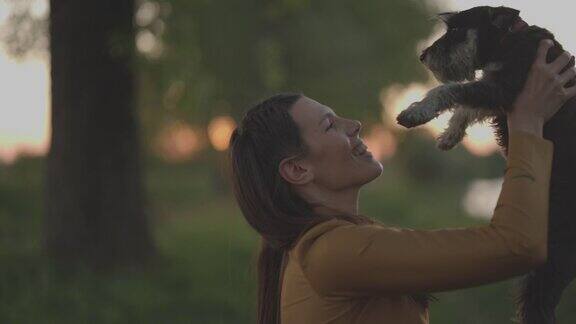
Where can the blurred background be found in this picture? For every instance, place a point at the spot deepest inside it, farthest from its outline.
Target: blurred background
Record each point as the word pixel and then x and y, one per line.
pixel 115 206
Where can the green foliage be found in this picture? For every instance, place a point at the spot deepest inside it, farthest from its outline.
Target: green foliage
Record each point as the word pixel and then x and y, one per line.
pixel 228 54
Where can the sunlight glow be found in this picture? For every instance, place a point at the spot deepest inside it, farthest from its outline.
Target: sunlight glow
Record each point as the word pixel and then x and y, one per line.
pixel 24 126
pixel 396 98
pixel 480 140
pixel 381 142
pixel 219 131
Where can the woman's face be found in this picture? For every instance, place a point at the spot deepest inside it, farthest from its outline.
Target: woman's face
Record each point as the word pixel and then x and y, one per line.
pixel 333 162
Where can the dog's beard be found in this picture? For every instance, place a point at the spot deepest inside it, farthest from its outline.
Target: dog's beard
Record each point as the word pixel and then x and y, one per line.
pixel 459 64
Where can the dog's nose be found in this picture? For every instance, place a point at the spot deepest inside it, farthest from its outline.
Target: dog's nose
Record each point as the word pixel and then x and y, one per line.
pixel 423 55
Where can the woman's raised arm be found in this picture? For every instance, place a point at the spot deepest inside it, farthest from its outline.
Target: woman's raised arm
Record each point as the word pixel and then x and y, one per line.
pixel 340 258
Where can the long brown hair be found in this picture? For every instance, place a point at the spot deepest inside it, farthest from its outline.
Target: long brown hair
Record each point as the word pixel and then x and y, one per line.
pixel 267 134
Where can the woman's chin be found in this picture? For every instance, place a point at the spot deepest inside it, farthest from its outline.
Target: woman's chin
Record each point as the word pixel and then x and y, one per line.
pixel 378 168
pixel 371 164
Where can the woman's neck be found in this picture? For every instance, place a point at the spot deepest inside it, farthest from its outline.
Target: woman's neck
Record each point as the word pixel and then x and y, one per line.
pixel 330 202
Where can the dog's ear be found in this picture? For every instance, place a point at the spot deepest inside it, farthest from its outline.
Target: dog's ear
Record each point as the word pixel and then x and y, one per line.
pixel 502 17
pixel 444 16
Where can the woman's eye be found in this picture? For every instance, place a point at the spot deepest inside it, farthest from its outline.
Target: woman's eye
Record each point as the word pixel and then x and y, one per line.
pixel 330 126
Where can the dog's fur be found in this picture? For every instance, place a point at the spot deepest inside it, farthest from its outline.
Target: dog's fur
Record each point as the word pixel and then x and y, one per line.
pixel 488 39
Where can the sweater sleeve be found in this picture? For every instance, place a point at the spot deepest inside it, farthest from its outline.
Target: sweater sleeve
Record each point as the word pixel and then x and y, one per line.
pixel 341 258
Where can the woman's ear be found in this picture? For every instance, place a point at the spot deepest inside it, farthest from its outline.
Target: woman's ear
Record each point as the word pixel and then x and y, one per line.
pixel 296 171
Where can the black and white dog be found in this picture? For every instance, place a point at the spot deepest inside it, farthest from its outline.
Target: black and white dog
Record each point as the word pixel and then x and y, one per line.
pixel 498 42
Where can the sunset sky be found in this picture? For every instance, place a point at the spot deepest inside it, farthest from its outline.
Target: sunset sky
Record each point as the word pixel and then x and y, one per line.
pixel 24 112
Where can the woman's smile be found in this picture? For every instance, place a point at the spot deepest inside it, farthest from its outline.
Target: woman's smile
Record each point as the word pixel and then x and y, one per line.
pixel 361 150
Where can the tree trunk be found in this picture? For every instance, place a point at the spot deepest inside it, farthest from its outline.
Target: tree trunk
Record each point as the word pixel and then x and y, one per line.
pixel 95 211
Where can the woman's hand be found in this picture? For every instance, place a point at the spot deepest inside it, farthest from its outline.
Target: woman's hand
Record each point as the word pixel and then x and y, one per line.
pixel 544 92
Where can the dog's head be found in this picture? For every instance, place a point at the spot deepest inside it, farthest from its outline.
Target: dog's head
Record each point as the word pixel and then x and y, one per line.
pixel 471 41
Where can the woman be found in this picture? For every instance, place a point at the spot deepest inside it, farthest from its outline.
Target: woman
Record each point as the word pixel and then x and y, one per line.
pixel 297 169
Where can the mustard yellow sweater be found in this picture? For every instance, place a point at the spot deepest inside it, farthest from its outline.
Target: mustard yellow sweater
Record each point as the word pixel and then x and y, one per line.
pixel 340 272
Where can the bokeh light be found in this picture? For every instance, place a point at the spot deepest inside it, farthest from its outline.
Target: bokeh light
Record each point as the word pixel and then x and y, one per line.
pixel 178 142
pixel 480 140
pixel 219 131
pixel 148 44
pixel 481 197
pixel 381 142
pixel 147 12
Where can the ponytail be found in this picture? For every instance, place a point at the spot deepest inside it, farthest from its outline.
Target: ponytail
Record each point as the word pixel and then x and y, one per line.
pixel 270 264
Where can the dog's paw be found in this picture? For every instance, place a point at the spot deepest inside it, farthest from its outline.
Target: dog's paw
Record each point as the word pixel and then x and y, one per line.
pixel 416 114
pixel 446 145
pixel 447 141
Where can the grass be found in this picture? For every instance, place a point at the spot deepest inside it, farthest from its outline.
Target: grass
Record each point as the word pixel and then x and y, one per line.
pixel 205 272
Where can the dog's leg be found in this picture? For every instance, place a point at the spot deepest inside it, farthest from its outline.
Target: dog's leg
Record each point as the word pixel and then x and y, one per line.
pixel 459 122
pixel 477 94
pixel 435 101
